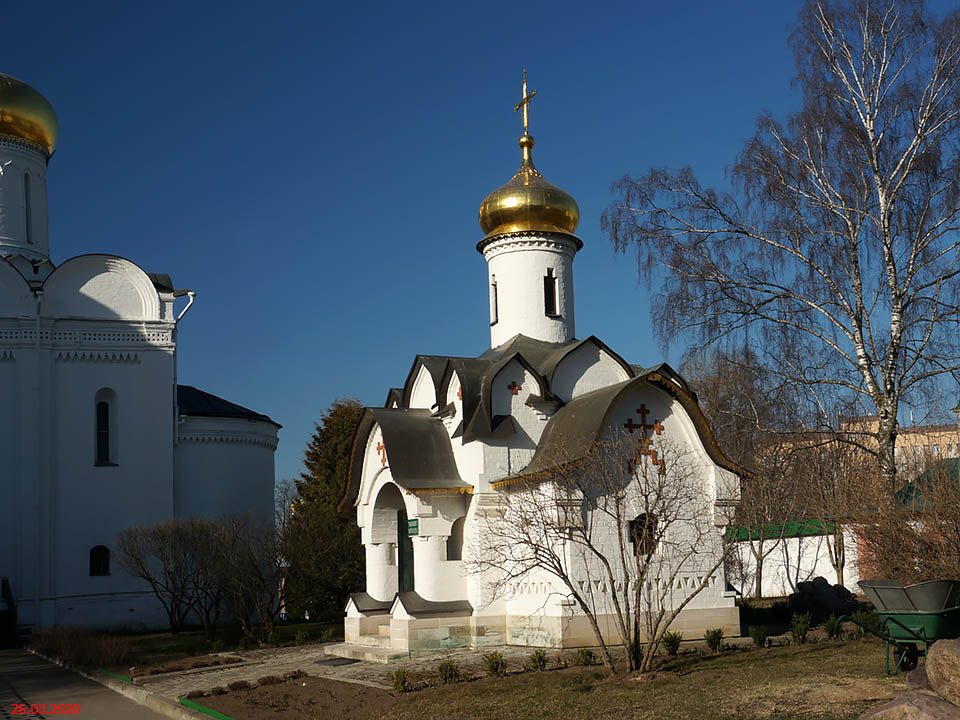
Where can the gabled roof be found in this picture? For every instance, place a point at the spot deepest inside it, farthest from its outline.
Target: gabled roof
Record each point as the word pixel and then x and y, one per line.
pixel 575 431
pixel 191 401
pixel 417 448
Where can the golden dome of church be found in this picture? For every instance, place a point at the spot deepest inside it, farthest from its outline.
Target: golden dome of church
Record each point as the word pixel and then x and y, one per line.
pixel 528 203
pixel 26 114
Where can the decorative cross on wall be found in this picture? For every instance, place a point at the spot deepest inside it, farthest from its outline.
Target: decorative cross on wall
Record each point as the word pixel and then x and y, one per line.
pixel 459 393
pixel 514 388
pixel 645 442
pixel 382 449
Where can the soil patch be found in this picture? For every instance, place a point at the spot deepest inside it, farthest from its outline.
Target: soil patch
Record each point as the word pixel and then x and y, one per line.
pixel 303 699
pixel 187 663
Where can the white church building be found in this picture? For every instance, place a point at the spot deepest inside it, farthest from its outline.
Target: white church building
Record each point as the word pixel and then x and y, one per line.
pixel 98 434
pixel 432 465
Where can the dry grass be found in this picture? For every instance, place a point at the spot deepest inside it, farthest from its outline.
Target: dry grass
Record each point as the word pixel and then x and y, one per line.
pixel 82 646
pixel 826 681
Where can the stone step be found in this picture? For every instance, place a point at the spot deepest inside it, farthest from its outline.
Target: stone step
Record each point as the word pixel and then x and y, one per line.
pixel 369 653
pixel 374 640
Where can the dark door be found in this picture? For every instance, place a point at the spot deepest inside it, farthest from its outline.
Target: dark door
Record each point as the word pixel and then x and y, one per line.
pixel 404 553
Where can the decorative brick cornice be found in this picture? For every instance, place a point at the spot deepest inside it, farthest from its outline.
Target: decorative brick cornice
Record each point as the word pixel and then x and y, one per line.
pixel 98 356
pixel 566 244
pixel 228 436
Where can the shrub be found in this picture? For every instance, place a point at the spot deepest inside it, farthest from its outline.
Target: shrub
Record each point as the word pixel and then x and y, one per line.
pixel 218 690
pixel 216 646
pixel 82 646
pixel 714 638
pixel 833 628
pixel 758 633
pixel 449 672
pixel 866 618
pixel 194 694
pixel 494 664
pixel 400 679
pixel 243 643
pixel 800 626
pixel 271 639
pixel 238 685
pixel 671 642
pixel 269 680
pixel 301 637
pixel 329 635
pixel 584 656
pixel 294 675
pixel 538 660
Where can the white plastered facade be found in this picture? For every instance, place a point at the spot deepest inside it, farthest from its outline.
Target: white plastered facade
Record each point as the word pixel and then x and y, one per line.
pixel 98 331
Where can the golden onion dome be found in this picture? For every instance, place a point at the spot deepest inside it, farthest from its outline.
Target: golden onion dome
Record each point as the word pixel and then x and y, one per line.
pixel 528 203
pixel 26 114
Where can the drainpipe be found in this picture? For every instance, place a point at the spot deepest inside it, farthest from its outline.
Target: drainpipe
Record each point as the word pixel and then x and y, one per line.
pixel 191 295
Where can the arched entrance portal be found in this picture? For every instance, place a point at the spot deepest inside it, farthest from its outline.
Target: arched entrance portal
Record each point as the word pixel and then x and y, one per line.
pixel 390 526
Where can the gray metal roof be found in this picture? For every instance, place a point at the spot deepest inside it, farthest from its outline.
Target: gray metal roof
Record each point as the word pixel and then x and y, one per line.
pixel 418 449
pixel 191 401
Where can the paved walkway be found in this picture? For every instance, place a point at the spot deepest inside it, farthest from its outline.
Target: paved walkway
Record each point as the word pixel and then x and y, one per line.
pixel 29 680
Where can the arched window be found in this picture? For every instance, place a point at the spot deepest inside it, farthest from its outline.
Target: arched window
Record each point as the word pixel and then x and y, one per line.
pixel 643 534
pixel 455 541
pixel 27 208
pixel 494 310
pixel 105 428
pixel 550 294
pixel 100 560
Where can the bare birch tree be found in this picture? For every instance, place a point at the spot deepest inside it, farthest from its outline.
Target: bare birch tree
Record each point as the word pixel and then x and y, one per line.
pixel 629 532
pixel 835 256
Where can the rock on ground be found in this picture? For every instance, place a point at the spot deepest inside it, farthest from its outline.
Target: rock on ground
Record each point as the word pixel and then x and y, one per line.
pixel 943 669
pixel 914 706
pixel 917 679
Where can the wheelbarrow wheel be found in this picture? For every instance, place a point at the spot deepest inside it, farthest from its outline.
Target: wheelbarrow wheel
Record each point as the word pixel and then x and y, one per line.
pixel 906 659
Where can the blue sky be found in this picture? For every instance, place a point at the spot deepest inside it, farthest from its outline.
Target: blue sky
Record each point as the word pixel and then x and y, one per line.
pixel 313 170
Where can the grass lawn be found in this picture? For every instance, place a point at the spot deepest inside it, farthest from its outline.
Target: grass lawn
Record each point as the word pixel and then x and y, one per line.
pixel 826 681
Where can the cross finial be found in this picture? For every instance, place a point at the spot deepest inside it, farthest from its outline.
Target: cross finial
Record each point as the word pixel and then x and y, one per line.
pixel 525 103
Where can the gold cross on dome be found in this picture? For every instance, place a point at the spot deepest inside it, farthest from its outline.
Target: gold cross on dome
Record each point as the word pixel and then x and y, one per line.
pixel 525 103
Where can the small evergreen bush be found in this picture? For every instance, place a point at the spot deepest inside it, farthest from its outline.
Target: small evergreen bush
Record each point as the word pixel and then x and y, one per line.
pixel 301 637
pixel 866 618
pixel 449 672
pixel 758 633
pixel 538 660
pixel 400 679
pixel 671 643
pixel 800 626
pixel 243 643
pixel 494 664
pixel 216 646
pixel 585 656
pixel 714 638
pixel 328 635
pixel 833 628
pixel 269 680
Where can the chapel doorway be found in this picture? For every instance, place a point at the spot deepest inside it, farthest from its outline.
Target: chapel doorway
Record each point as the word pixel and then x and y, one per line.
pixel 404 553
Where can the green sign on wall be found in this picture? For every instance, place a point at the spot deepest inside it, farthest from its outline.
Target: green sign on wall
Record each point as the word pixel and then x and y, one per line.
pixel 413 527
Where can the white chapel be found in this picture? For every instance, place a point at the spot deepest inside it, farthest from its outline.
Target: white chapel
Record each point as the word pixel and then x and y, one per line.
pixel 98 434
pixel 433 464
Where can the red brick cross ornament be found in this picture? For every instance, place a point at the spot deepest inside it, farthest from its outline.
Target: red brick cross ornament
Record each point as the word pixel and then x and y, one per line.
pixel 514 388
pixel 382 450
pixel 645 441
